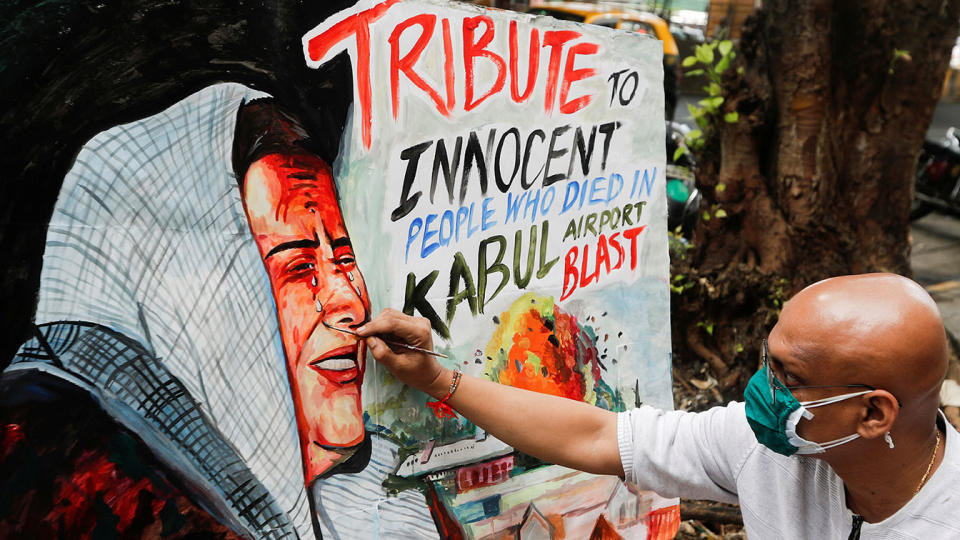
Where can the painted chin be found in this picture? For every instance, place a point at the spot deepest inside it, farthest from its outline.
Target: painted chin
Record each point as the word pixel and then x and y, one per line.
pixel 340 366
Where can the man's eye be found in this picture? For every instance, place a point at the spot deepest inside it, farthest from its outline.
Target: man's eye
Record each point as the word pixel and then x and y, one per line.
pixel 345 260
pixel 781 375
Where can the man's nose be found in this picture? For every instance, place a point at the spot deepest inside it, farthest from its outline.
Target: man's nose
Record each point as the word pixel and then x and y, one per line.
pixel 344 305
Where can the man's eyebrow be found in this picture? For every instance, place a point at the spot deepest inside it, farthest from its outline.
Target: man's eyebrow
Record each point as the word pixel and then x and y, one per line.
pixel 293 244
pixel 302 175
pixel 343 241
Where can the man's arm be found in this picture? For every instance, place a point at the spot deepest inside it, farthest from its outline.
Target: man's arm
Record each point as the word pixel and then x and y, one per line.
pixel 555 429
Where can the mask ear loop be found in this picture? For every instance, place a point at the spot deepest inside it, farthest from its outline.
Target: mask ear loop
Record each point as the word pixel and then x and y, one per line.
pixel 819 448
pixel 827 401
pixel 809 447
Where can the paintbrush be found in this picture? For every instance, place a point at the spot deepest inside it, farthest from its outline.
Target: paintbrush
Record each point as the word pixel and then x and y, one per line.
pixel 387 341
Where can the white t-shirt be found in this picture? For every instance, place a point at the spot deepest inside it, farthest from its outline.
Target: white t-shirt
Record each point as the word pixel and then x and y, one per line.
pixel 715 455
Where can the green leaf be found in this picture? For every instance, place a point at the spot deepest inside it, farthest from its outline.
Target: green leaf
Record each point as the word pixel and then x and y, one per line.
pixel 714 89
pixel 741 70
pixel 694 134
pixel 725 47
pixel 693 72
pixel 709 328
pixel 712 103
pixel 704 54
pixel 720 213
pixel 731 117
pixel 706 215
pixel 678 277
pixel 679 152
pixel 739 348
pixel 901 53
pixel 722 65
pixel 689 61
pixel 721 187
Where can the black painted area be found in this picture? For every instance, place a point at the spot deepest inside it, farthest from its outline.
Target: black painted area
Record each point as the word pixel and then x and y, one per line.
pixel 72 68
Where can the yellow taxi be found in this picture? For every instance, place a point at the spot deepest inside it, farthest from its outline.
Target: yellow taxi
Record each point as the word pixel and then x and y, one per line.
pixel 622 17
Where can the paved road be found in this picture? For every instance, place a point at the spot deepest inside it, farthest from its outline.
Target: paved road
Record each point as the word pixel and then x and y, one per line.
pixel 936 264
pixel 936 240
pixel 946 115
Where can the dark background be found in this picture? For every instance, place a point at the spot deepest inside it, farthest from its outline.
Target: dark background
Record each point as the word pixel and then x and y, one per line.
pixel 73 68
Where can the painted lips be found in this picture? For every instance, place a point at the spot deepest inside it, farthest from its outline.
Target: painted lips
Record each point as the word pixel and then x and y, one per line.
pixel 339 366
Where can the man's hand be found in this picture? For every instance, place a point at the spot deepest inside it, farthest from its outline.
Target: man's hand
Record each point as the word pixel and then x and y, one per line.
pixel 555 429
pixel 416 369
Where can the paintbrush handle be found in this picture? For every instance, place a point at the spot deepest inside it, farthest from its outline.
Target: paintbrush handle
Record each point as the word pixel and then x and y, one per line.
pixel 396 343
pixel 414 348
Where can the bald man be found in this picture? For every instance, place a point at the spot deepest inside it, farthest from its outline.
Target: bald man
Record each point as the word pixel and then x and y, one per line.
pixel 839 435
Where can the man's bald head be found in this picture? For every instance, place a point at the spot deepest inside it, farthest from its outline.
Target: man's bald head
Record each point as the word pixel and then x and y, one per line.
pixel 883 330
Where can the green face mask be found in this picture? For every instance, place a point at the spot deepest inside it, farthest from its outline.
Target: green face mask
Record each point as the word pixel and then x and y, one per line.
pixel 768 418
pixel 774 419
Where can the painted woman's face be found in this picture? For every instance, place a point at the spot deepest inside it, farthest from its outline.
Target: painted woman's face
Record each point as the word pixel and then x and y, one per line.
pixel 293 212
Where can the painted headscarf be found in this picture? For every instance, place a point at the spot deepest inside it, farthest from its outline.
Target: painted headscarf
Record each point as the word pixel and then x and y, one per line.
pixel 148 238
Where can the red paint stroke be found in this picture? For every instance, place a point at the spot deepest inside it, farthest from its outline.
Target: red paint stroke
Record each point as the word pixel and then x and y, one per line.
pixel 592 268
pixel 663 523
pixel 11 435
pixel 448 64
pixel 94 475
pixel 478 49
pixel 603 530
pixel 563 361
pixel 447 525
pixel 405 65
pixel 571 75
pixel 489 473
pixel 555 39
pixel 357 25
pixel 533 64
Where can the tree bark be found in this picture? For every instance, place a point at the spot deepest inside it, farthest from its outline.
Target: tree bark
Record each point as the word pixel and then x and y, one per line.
pixel 834 98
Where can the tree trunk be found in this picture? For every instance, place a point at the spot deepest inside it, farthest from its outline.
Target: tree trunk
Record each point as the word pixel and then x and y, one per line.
pixel 816 176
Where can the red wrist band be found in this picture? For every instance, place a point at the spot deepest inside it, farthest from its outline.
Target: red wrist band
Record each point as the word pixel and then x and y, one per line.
pixel 440 408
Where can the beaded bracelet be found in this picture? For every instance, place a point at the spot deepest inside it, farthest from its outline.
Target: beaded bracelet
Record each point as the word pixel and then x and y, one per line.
pixel 440 408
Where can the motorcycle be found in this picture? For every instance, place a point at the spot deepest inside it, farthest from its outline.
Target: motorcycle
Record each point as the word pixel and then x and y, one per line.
pixel 937 184
pixel 683 197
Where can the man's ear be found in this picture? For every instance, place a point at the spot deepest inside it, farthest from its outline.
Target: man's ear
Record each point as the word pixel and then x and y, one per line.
pixel 880 410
